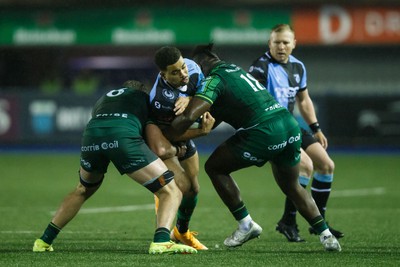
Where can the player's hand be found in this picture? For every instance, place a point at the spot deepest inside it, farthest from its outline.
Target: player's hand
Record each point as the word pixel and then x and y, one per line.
pixel 181 149
pixel 207 122
pixel 321 139
pixel 180 105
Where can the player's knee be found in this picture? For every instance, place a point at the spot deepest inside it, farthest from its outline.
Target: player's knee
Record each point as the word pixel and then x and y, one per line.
pixel 306 167
pixel 161 152
pixel 193 186
pixel 195 189
pixel 192 191
pixel 157 183
pixel 88 183
pixel 209 168
pixel 327 167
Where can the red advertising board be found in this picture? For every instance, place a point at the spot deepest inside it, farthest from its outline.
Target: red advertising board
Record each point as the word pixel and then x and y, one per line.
pixel 329 25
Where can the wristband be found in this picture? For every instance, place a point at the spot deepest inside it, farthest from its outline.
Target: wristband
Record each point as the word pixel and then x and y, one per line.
pixel 177 150
pixel 315 128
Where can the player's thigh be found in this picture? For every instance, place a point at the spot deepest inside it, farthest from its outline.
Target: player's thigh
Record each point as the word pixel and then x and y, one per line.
pixel 191 167
pixel 286 177
pixel 320 158
pixel 149 172
pixel 157 141
pixel 226 158
pixel 181 179
pixel 90 177
pixel 306 164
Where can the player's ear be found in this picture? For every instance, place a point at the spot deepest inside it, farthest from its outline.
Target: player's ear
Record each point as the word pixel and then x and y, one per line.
pixel 294 43
pixel 162 74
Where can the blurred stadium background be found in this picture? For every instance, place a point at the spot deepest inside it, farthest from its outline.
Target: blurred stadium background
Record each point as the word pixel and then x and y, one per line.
pixel 50 50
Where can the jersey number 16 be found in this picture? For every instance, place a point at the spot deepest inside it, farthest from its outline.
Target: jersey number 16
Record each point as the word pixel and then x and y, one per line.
pixel 256 85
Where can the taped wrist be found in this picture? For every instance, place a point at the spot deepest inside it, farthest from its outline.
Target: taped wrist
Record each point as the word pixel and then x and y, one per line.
pixel 156 183
pixel 315 127
pixel 178 150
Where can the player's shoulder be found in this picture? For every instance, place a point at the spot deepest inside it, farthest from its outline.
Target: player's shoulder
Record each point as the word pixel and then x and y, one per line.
pixel 294 59
pixel 192 66
pixel 263 60
pixel 158 85
pixel 260 64
pixel 266 57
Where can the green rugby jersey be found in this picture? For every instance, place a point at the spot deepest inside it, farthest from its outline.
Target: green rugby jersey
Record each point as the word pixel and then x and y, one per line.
pixel 121 108
pixel 237 97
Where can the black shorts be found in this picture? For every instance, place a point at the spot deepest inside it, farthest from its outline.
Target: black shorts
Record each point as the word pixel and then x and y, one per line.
pixel 190 149
pixel 307 139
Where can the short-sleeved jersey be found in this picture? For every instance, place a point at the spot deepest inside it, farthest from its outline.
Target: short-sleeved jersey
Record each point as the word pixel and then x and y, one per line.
pixel 163 96
pixel 122 107
pixel 237 97
pixel 283 81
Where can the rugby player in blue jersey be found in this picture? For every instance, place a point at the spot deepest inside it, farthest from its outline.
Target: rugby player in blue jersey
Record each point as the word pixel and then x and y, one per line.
pixel 285 77
pixel 176 83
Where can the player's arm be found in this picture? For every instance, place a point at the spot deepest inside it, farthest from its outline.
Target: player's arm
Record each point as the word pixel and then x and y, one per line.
pixel 181 123
pixel 180 104
pixel 307 111
pixel 160 145
pixel 205 126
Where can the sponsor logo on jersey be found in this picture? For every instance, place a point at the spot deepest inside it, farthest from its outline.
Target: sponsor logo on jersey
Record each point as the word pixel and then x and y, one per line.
pixel 296 77
pixel 273 107
pixel 252 68
pixel 121 115
pixel 168 94
pixel 236 68
pixel 111 145
pixel 104 146
pixel 86 164
pixel 286 92
pixel 248 156
pixel 279 146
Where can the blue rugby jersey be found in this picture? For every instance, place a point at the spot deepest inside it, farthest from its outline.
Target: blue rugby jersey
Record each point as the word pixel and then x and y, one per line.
pixel 283 81
pixel 163 96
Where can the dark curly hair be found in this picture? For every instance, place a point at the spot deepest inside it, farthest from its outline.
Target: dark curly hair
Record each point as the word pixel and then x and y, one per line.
pixel 165 56
pixel 136 85
pixel 204 49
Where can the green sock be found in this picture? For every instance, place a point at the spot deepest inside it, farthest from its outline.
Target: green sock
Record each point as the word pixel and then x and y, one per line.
pixel 161 234
pixel 319 224
pixel 50 233
pixel 185 212
pixel 239 211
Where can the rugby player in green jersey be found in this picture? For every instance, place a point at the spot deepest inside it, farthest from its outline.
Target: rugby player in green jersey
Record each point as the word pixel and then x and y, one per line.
pixel 114 134
pixel 266 132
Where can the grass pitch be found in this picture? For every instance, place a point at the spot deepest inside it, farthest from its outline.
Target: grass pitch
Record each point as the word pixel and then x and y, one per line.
pixel 115 227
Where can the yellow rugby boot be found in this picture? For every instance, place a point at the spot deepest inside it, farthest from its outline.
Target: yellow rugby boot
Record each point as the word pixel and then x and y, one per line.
pixel 41 246
pixel 187 238
pixel 170 247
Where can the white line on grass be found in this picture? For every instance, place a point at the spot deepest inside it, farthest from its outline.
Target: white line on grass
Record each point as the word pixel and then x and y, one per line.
pixel 334 193
pixel 358 192
pixel 64 232
pixel 114 209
